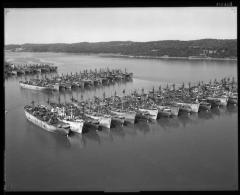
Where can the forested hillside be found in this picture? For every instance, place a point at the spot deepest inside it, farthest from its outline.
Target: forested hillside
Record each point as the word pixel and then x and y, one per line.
pixel 172 48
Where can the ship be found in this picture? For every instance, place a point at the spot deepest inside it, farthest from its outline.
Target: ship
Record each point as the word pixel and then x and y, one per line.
pixel 29 85
pixel 129 116
pixel 174 110
pixel 204 105
pixel 76 124
pixel 41 117
pixel 152 112
pixel 233 98
pixel 104 120
pixel 223 100
pixel 184 107
pixel 164 111
pixel 215 102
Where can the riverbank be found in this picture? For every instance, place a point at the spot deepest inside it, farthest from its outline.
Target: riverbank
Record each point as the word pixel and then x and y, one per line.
pixel 135 56
pixel 167 57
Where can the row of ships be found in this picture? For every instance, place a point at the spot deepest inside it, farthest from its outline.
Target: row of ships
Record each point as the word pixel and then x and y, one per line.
pixel 85 79
pixel 106 112
pixel 27 69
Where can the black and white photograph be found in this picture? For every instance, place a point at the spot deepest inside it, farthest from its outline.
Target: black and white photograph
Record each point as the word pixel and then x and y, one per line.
pixel 120 99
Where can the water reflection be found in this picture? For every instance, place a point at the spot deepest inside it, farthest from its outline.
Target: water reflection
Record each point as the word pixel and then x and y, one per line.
pixel 232 109
pixel 118 131
pixel 167 123
pixel 76 140
pixel 80 141
pixel 205 115
pixel 130 130
pixel 46 138
pixel 216 111
pixel 143 127
pixel 91 136
pixel 105 135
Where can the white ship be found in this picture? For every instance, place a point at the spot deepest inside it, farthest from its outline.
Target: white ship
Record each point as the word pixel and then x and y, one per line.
pixel 76 124
pixel 189 107
pixel 174 110
pixel 152 112
pixel 31 86
pixel 223 100
pixel 58 126
pixel 104 120
pixel 164 111
pixel 129 116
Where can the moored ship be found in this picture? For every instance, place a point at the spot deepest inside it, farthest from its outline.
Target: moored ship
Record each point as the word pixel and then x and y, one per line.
pixel 233 98
pixel 164 111
pixel 152 112
pixel 104 120
pixel 76 124
pixel 29 85
pixel 43 118
pixel 129 116
pixel 204 105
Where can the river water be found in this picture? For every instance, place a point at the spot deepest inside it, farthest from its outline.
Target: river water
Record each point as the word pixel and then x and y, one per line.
pixel 196 152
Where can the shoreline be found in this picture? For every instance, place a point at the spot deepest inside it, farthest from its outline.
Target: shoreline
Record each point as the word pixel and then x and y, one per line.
pixel 163 57
pixel 141 57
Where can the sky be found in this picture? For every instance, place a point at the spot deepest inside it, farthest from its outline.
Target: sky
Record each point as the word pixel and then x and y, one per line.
pixel 71 25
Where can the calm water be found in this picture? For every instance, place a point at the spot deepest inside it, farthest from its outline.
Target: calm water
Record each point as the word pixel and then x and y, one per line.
pixel 184 153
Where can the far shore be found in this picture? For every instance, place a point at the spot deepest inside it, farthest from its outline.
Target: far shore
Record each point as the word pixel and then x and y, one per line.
pixel 142 57
pixel 165 57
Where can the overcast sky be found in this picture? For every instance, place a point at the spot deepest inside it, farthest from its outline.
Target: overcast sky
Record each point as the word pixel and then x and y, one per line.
pixel 71 25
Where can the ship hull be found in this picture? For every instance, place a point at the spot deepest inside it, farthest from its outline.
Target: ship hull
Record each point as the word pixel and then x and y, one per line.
pixel 46 126
pixel 152 112
pixel 164 111
pixel 128 117
pixel 194 107
pixel 117 120
pixel 103 121
pixel 204 106
pixel 143 116
pixel 223 101
pixel 233 100
pixel 75 126
pixel 214 102
pixel 32 87
pixel 174 110
pixel 184 107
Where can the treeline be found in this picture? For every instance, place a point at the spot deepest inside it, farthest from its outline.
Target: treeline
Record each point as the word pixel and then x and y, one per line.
pixel 172 48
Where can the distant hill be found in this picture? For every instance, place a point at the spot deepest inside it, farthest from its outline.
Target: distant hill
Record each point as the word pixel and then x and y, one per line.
pixel 218 48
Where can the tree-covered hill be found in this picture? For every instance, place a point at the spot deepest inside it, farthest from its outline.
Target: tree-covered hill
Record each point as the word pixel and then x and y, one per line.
pixel 172 48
